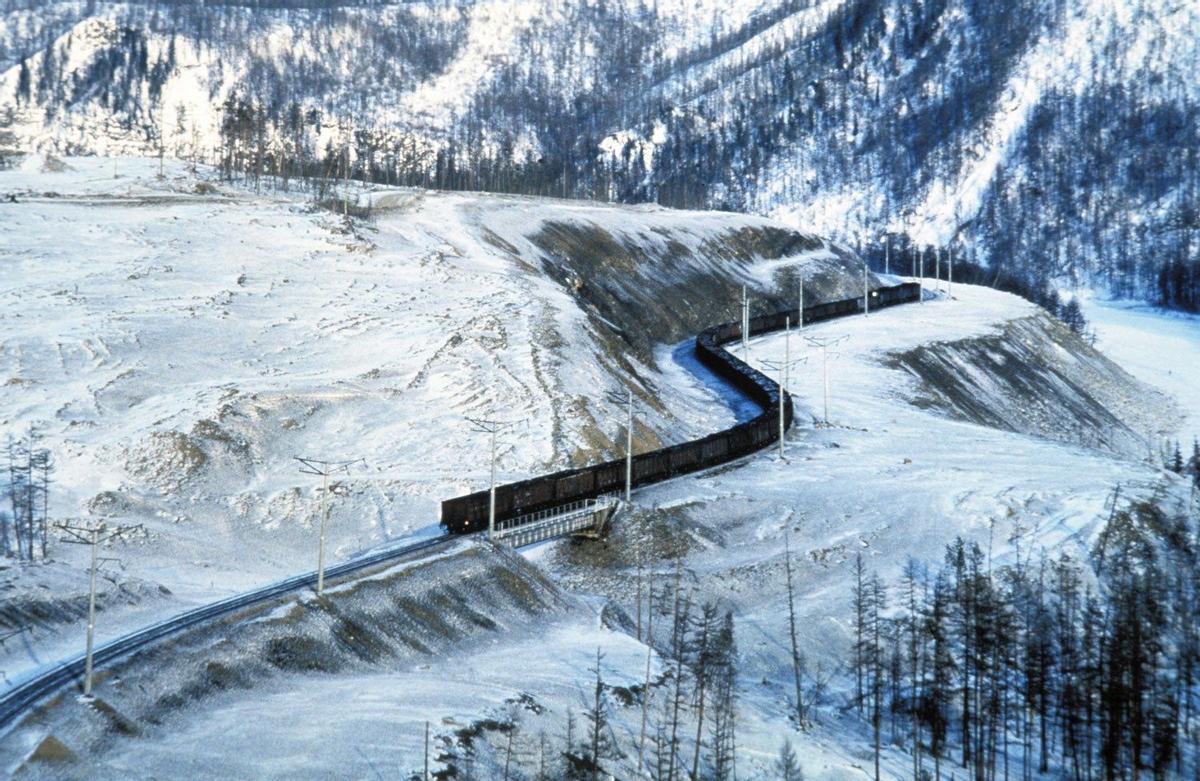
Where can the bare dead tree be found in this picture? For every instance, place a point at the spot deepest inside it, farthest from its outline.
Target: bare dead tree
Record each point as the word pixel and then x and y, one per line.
pixel 597 718
pixel 798 661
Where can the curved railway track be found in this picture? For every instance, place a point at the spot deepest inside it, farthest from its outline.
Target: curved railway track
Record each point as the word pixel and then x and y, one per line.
pixel 24 695
pixel 467 514
pixel 464 514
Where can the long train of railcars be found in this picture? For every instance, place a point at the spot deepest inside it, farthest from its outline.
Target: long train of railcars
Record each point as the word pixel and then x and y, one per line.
pixel 466 514
pixel 469 513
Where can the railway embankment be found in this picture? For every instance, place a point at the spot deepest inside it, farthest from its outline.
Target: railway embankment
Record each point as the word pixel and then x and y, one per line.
pixel 1033 376
pixel 383 621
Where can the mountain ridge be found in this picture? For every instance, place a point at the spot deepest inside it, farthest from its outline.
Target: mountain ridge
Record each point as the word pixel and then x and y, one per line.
pixel 1053 142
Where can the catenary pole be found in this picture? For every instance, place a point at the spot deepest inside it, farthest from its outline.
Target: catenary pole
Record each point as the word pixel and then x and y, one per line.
pixel 94 543
pixel 950 277
pixel 937 268
pixel 824 343
pixel 745 323
pixel 921 277
pixel 492 491
pixel 490 427
pixel 800 308
pixel 324 526
pixel 783 379
pixel 825 376
pixel 92 535
pixel 783 384
pixel 866 290
pixel 626 398
pixel 323 469
pixel 629 450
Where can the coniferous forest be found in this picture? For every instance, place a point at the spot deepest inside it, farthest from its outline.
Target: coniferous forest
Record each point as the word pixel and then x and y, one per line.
pixel 1044 664
pixel 1046 142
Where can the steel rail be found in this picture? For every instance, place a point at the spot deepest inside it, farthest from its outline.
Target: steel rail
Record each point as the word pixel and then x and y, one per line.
pixel 49 680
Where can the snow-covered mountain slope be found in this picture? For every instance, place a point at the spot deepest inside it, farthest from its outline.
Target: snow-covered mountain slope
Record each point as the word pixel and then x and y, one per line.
pixel 1046 139
pixel 891 480
pixel 177 344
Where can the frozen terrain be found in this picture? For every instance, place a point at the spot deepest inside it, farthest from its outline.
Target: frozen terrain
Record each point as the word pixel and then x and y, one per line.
pixel 126 323
pixel 1158 347
pixel 177 344
pixel 890 480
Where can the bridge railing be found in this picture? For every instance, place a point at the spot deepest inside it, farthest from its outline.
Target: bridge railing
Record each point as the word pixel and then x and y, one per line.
pixel 555 521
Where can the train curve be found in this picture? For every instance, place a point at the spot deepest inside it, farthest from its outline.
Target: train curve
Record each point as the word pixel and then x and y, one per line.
pixel 469 513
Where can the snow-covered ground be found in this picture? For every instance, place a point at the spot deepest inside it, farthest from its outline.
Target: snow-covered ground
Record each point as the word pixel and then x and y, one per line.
pixel 177 342
pixel 887 479
pixel 379 719
pixel 1159 347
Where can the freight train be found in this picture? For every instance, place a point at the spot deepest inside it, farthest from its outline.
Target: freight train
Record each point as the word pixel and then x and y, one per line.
pixel 466 514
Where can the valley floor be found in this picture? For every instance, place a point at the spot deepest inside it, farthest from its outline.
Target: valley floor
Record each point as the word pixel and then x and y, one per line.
pixel 1159 347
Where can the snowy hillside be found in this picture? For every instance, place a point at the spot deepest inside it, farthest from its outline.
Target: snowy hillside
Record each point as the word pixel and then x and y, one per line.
pixel 177 344
pixel 1044 140
pixel 889 480
pixel 238 234
pixel 178 341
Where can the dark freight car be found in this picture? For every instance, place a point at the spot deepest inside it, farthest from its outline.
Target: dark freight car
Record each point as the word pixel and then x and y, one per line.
pixel 469 513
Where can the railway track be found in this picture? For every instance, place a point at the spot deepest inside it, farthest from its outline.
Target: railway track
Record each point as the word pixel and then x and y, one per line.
pixel 467 514
pixel 24 695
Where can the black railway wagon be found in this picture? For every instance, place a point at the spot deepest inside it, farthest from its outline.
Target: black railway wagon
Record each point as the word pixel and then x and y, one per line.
pixel 465 514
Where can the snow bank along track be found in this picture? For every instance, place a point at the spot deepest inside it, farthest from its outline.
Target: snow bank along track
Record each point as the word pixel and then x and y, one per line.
pixel 466 514
pixel 26 694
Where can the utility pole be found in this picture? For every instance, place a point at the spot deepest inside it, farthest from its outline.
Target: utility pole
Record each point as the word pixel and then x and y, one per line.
pixel 866 290
pixel 490 427
pixel 626 398
pixel 800 308
pixel 323 469
pixel 745 322
pixel 825 342
pixel 783 378
pixel 950 277
pixel 346 185
pixel 921 277
pixel 887 254
pixel 937 269
pixel 92 534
